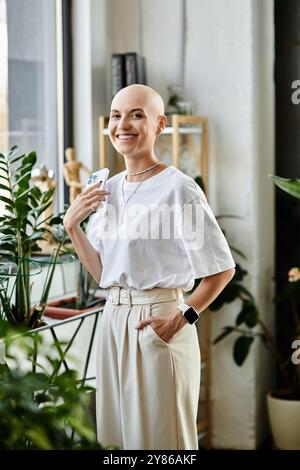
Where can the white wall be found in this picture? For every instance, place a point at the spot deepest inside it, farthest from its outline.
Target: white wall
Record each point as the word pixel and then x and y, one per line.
pixel 227 69
pixel 90 58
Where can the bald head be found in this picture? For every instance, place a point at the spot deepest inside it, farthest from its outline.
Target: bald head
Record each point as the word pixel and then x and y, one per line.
pixel 136 119
pixel 139 96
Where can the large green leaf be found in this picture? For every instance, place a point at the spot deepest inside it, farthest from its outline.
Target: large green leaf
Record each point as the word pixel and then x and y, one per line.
pixel 36 192
pixel 4 237
pixel 12 152
pixel 26 177
pixel 56 220
pixel 2 177
pixel 4 166
pixel 7 230
pixel 241 349
pixel 7 201
pixel 16 159
pixel 239 274
pixel 246 292
pixel 48 196
pixel 15 222
pixel 36 235
pixel 38 211
pixel 229 294
pixel 22 207
pixel 30 158
pixel 289 185
pixel 27 193
pixel 248 314
pixel 7 252
pixel 5 188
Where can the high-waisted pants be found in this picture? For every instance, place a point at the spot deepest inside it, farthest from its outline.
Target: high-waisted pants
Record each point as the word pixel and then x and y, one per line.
pixel 147 389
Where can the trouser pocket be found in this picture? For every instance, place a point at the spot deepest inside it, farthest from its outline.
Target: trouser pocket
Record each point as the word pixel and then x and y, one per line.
pixel 164 309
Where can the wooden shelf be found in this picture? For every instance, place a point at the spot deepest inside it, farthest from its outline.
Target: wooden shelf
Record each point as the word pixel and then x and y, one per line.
pixel 182 126
pixel 170 130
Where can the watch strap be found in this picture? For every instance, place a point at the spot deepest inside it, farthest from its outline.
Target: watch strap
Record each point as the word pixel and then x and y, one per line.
pixel 184 307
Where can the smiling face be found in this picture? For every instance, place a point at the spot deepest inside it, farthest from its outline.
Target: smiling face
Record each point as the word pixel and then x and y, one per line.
pixel 136 118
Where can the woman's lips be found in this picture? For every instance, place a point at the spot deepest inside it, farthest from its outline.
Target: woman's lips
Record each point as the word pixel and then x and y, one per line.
pixel 124 137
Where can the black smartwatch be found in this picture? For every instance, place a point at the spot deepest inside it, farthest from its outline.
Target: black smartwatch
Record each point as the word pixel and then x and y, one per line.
pixel 188 312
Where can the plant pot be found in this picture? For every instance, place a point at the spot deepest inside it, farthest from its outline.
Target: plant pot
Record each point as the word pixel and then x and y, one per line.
pixel 60 309
pixel 284 416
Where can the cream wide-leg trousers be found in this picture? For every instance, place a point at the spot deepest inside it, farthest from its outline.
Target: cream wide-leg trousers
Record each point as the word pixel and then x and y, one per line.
pixel 147 389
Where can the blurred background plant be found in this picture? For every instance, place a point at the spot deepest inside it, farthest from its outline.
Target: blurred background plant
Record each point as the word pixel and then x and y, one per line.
pixel 249 324
pixel 87 294
pixel 87 289
pixel 40 410
pixel 86 286
pixel 22 226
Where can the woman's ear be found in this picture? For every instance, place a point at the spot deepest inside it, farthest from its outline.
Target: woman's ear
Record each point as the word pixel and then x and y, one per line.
pixel 162 124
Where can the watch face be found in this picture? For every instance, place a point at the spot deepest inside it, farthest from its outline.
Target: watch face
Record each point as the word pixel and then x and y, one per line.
pixel 191 315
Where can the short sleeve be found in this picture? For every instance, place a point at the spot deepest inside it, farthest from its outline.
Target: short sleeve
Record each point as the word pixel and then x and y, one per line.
pixel 201 238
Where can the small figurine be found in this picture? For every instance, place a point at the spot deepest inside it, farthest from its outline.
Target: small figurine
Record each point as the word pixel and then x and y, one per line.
pixel 72 173
pixel 44 180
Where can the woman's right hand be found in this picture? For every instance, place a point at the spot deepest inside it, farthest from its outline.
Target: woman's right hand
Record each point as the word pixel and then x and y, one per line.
pixel 84 204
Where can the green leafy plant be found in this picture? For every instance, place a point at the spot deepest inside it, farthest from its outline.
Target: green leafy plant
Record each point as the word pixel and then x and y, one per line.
pixel 22 225
pixel 86 290
pixel 86 295
pixel 44 408
pixel 39 410
pixel 289 185
pixel 249 324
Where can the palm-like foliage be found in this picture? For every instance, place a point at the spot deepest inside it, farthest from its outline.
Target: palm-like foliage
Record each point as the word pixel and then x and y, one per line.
pixel 44 408
pixel 289 185
pixel 249 324
pixel 21 226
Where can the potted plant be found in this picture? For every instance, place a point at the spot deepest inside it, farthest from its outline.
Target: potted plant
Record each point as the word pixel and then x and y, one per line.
pixel 283 404
pixel 41 411
pixel 22 226
pixel 85 300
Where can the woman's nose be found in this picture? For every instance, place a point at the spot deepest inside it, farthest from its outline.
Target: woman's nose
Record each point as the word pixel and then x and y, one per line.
pixel 124 123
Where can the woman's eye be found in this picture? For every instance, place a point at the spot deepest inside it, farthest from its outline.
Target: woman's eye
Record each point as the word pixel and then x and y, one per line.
pixel 114 116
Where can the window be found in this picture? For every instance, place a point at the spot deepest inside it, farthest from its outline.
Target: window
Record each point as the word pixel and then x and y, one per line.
pixel 28 79
pixel 3 78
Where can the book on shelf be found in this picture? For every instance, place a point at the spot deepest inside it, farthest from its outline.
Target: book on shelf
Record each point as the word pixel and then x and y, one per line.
pixel 118 76
pixel 135 68
pixel 127 69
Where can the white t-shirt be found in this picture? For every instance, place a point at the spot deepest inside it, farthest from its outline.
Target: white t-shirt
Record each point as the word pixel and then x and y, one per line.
pixel 167 236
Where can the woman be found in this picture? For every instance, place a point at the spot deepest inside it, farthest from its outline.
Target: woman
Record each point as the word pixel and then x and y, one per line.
pixel 148 372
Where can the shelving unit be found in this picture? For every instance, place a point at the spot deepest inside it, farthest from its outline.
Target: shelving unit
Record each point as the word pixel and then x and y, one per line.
pixel 184 128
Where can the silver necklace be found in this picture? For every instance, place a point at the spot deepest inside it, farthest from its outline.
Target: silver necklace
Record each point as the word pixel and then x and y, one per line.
pixel 133 192
pixel 143 171
pixel 125 201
